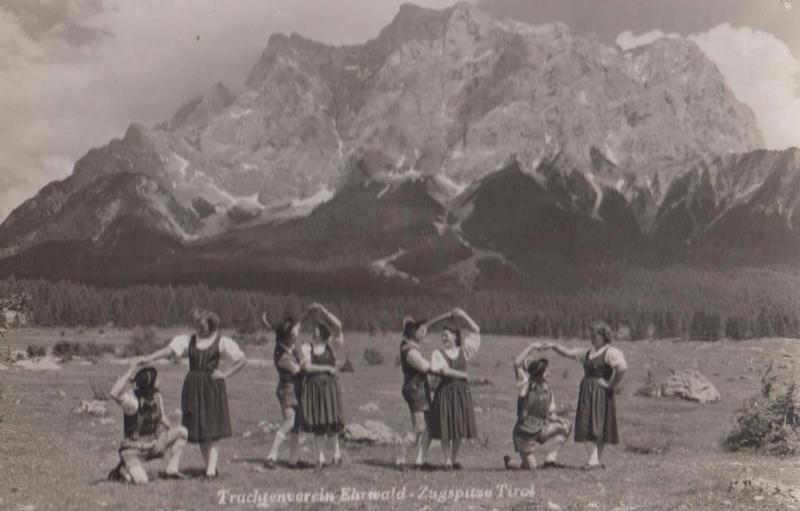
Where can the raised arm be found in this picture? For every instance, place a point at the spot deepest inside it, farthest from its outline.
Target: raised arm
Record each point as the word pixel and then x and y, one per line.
pixel 116 391
pixel 331 321
pixel 472 339
pixel 164 352
pixel 524 353
pixel 576 354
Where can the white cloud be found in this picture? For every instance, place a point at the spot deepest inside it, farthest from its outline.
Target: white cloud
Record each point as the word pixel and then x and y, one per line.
pixel 75 73
pixel 762 72
pixel 627 40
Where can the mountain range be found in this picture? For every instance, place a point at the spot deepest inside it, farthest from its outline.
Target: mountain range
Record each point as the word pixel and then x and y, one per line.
pixel 453 149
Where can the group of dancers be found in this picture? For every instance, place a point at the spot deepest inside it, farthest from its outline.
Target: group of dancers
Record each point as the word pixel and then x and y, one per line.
pixel 311 400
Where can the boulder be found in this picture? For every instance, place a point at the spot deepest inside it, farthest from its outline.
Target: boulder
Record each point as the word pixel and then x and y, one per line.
pixel 369 407
pixel 91 407
pixel 371 432
pixel 40 364
pixel 690 384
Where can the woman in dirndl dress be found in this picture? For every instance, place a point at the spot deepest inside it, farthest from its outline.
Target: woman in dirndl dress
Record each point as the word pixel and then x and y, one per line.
pixel 603 369
pixel 204 396
pixel 452 413
pixel 321 405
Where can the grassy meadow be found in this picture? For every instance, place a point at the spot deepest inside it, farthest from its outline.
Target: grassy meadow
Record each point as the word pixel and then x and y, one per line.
pixel 670 456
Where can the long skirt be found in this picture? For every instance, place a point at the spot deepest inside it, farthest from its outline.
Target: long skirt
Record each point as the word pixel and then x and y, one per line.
pixel 321 405
pixel 452 413
pixel 204 406
pixel 596 416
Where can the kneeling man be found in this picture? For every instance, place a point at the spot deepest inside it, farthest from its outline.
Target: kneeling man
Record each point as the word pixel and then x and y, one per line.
pixel 537 422
pixel 148 433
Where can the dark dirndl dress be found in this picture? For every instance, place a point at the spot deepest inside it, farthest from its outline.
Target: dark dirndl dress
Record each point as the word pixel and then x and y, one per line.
pixel 596 416
pixel 204 400
pixel 452 413
pixel 321 398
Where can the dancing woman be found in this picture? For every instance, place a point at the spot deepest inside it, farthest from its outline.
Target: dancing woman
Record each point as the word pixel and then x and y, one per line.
pixel 321 398
pixel 537 421
pixel 204 396
pixel 290 381
pixel 452 412
pixel 596 416
pixel 416 391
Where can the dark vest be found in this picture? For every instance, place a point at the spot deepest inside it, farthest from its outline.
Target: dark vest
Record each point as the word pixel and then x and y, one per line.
pixel 410 373
pixel 533 409
pixel 284 375
pixel 145 421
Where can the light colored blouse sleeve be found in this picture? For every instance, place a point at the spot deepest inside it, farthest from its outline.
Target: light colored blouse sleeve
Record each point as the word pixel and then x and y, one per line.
pixel 418 362
pixel 552 408
pixel 230 349
pixel 305 353
pixel 179 345
pixel 616 359
pixel 471 344
pixel 437 361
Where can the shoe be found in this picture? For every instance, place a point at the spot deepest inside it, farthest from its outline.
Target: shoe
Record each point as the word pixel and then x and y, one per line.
pixel 320 466
pixel 552 464
pixel 506 461
pixel 337 462
pixel 175 476
pixel 457 466
pixel 300 465
pixel 447 467
pixel 215 475
pixel 425 467
pixel 270 464
pixel 115 475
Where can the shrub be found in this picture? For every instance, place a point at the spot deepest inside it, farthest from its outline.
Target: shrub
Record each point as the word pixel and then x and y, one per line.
pixel 100 391
pixel 66 350
pixel 373 357
pixel 770 423
pixel 647 446
pixel 347 367
pixel 35 351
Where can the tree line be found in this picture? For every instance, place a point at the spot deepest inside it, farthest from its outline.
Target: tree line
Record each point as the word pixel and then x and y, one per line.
pixel 633 315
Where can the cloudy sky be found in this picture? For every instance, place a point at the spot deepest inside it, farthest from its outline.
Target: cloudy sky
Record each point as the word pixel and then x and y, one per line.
pixel 76 73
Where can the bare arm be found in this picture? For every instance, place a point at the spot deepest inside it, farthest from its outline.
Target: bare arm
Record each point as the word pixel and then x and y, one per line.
pixel 453 373
pixel 164 419
pixel 439 366
pixel 575 353
pixel 331 321
pixel 119 385
pixel 235 368
pixel 438 319
pixel 524 353
pixel 164 352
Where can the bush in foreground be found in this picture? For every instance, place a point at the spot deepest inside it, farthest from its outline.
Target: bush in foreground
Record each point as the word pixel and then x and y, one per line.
pixel 770 423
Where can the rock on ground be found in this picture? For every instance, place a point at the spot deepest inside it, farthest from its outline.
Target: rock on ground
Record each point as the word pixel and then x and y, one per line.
pixel 688 384
pixel 761 486
pixel 371 432
pixel 92 407
pixel 369 407
pixel 40 364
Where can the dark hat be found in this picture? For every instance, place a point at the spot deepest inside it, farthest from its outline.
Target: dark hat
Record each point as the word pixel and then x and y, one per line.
pixel 410 326
pixel 536 366
pixel 145 378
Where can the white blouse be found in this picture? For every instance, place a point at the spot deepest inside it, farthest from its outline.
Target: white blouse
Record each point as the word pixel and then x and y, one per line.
pixel 227 346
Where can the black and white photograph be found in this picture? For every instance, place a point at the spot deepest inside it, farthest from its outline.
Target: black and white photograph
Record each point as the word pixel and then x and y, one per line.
pixel 423 255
